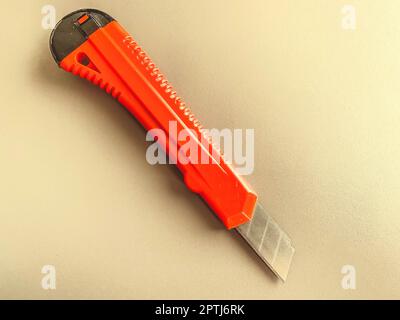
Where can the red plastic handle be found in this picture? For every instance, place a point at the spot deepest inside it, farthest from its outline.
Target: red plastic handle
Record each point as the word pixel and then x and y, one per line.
pixel 111 59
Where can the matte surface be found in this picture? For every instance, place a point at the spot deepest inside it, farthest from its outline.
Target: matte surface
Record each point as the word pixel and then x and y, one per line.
pixel 76 191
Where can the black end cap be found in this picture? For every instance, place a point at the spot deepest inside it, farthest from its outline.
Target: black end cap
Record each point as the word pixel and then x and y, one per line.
pixel 69 34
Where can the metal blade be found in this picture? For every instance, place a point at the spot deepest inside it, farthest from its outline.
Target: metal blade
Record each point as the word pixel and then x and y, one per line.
pixel 269 241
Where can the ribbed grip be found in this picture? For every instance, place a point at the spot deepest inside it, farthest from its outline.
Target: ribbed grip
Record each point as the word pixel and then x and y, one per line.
pixel 94 77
